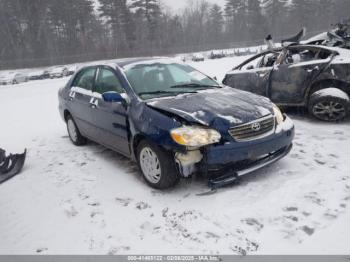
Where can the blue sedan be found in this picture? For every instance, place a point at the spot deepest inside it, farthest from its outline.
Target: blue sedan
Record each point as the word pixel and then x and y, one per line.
pixel 174 121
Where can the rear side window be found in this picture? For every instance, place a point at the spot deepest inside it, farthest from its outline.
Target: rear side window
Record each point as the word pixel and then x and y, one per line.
pixel 107 81
pixel 85 79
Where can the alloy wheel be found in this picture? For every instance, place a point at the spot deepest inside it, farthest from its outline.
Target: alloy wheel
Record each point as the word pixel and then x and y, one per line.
pixel 329 110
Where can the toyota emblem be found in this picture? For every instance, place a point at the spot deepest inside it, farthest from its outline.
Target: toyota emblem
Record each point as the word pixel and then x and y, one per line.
pixel 256 127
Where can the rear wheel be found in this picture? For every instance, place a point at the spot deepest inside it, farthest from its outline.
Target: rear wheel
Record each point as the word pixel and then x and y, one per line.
pixel 157 166
pixel 74 133
pixel 329 105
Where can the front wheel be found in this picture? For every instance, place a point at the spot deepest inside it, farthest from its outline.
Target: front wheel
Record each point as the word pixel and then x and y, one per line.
pixel 157 166
pixel 74 133
pixel 331 105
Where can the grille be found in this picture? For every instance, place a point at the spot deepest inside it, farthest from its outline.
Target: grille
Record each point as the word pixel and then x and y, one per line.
pixel 254 130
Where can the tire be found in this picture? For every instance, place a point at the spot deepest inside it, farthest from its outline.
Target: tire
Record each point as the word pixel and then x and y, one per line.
pixel 329 105
pixel 14 82
pixel 74 133
pixel 159 171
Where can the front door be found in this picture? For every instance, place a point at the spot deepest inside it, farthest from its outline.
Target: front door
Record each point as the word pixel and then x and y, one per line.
pixel 253 76
pixel 80 98
pixel 290 80
pixel 110 118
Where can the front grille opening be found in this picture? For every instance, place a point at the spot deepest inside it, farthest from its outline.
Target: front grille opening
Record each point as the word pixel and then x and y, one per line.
pixel 254 130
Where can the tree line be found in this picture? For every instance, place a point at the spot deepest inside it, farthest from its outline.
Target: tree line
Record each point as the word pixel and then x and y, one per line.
pixel 45 32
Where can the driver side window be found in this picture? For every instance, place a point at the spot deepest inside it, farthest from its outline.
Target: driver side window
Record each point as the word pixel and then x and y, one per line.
pixel 107 81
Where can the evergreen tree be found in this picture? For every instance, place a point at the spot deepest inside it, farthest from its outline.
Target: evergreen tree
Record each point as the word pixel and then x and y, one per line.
pixel 147 17
pixel 118 17
pixel 234 12
pixel 255 22
pixel 216 23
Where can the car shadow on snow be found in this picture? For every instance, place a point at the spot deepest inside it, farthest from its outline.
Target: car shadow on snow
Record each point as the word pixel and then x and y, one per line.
pixel 196 185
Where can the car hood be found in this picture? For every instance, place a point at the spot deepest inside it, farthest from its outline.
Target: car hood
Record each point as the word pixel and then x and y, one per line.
pixel 217 108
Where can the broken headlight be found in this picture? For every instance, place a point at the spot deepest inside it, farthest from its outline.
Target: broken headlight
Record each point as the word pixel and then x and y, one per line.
pixel 278 114
pixel 192 136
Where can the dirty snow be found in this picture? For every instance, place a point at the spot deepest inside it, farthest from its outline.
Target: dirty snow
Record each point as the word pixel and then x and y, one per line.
pixel 89 200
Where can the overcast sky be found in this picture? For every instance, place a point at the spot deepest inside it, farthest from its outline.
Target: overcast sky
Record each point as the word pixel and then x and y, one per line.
pixel 178 4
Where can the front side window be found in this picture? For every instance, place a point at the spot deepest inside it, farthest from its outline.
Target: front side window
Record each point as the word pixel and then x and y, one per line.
pixel 107 81
pixel 160 79
pixel 85 79
pixel 295 56
pixel 253 64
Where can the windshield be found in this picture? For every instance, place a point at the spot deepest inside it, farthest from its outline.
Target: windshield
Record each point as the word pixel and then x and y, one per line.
pixel 159 79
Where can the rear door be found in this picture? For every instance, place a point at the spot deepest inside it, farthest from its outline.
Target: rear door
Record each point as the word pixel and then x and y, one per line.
pixel 110 118
pixel 80 99
pixel 253 76
pixel 300 66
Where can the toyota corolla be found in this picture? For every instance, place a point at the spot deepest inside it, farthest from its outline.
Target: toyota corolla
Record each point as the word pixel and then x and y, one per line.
pixel 174 121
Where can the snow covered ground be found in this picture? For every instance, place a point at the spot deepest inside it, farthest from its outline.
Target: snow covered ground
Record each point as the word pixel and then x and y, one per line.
pixel 90 200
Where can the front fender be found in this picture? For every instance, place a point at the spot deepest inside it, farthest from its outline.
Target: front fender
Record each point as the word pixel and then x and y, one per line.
pixel 152 125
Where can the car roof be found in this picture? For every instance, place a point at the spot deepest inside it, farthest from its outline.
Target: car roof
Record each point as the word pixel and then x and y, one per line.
pixel 126 62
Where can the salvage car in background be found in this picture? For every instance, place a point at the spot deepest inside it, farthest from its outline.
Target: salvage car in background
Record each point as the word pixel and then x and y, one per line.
pixel 39 75
pixel 58 72
pixel 71 69
pixel 216 54
pixel 174 121
pixel 198 57
pixel 315 77
pixel 12 78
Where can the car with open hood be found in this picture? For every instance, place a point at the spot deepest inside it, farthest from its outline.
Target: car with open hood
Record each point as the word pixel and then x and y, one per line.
pixel 311 76
pixel 174 121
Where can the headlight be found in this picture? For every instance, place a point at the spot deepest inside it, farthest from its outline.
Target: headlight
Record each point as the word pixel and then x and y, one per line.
pixel 278 114
pixel 195 136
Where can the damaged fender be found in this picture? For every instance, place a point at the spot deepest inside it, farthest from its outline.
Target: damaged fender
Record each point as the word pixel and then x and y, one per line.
pixel 10 165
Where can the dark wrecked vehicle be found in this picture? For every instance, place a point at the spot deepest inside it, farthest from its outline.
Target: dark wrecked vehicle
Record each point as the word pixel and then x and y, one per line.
pixel 315 77
pixel 174 121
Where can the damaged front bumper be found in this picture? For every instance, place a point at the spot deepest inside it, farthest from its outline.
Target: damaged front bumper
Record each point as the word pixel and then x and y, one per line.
pixel 231 175
pixel 223 164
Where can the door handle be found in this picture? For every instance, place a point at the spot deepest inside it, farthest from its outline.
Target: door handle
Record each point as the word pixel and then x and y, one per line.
pixel 94 103
pixel 312 70
pixel 71 95
pixel 261 74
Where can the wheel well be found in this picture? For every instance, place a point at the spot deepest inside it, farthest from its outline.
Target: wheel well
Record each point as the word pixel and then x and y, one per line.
pixel 66 114
pixel 328 83
pixel 136 141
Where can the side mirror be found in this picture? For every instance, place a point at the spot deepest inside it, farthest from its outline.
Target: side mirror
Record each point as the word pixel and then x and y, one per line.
pixel 250 67
pixel 215 78
pixel 113 97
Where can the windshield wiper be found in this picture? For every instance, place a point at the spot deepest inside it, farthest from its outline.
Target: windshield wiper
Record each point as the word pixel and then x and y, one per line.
pixel 196 86
pixel 161 92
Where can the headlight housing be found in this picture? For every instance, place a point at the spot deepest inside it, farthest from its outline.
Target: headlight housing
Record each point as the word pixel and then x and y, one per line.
pixel 193 136
pixel 278 114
